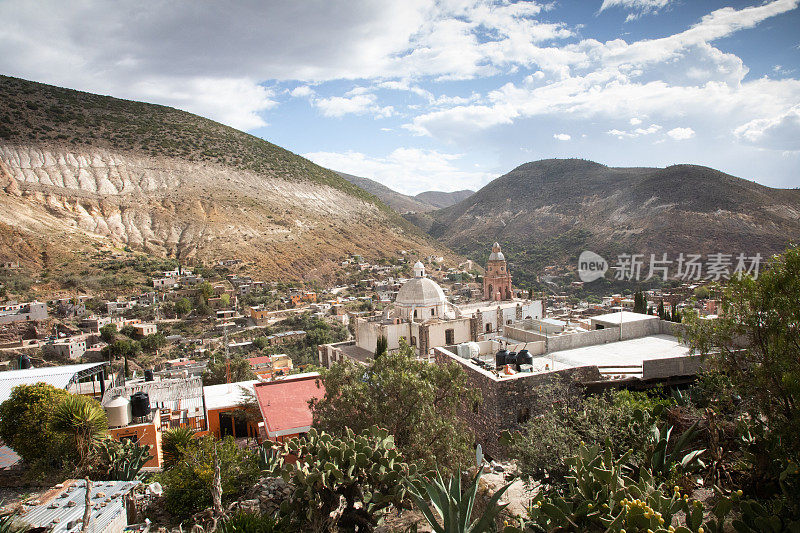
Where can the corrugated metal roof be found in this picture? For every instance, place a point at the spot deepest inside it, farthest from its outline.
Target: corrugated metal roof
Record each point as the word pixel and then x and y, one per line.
pixel 63 507
pixel 57 376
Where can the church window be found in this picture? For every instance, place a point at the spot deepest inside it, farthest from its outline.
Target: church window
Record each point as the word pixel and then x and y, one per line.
pixel 413 341
pixel 433 312
pixel 489 327
pixel 415 313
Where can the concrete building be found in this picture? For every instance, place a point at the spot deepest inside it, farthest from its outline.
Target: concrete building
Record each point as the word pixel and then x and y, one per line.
pixel 624 350
pixel 226 410
pixel 72 348
pixel 12 313
pixel 144 330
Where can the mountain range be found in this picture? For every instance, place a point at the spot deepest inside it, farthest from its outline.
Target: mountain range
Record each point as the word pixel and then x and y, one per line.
pixel 547 212
pixel 402 203
pixel 81 172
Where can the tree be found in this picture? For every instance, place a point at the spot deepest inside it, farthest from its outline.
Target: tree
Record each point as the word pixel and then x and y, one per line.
pixel 25 424
pixel 415 401
pixel 175 442
pixel 205 290
pixel 662 314
pixel 217 372
pixel 83 421
pixel 183 307
pixel 755 342
pixel 639 302
pixel 108 333
pixel 151 343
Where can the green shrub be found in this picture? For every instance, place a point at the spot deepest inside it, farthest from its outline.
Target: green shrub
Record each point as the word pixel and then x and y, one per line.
pixel 26 426
pixel 242 522
pixel 188 483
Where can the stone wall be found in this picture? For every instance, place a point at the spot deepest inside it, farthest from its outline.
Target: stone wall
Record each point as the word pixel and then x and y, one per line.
pixel 509 402
pixel 671 367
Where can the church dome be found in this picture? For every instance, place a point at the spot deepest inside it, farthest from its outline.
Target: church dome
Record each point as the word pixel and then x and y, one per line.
pixel 420 292
pixel 496 254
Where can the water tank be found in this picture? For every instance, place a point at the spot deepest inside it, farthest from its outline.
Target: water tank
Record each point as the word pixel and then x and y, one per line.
pixel 524 357
pixel 148 375
pixel 500 358
pixel 118 412
pixel 511 359
pixel 140 404
pixel 468 350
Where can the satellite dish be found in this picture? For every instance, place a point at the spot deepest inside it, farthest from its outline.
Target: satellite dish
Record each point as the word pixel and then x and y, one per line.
pixel 479 456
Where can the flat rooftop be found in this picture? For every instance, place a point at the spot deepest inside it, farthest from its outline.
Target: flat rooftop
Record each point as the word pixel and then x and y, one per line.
pixel 623 353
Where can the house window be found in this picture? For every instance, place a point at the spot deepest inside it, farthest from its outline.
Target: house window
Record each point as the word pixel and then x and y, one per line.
pixel 413 341
pixel 508 321
pixel 449 336
pixel 433 312
pixel 415 313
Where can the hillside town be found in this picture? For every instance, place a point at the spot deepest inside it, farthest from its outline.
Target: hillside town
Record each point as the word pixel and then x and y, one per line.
pixel 232 356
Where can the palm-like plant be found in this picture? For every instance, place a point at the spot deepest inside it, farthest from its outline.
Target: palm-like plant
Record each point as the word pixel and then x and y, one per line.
pixel 174 443
pixel 453 506
pixel 85 420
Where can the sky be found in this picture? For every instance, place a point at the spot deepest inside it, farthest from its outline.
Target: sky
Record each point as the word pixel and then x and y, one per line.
pixel 446 95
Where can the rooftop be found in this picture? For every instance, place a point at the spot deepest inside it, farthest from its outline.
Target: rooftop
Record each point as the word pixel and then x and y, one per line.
pixel 60 377
pixel 227 394
pixel 624 353
pixel 62 507
pixel 284 403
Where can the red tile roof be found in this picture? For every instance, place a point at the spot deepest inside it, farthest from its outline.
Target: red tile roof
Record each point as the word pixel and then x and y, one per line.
pixel 284 403
pixel 261 360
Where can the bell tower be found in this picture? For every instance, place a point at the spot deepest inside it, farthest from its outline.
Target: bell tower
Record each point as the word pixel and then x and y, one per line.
pixel 497 280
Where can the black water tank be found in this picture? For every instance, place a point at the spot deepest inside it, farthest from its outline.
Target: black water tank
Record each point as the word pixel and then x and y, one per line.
pixel 524 357
pixel 140 404
pixel 500 358
pixel 148 375
pixel 511 358
pixel 25 362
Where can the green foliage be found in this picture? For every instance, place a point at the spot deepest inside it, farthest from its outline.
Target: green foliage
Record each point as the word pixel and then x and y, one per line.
pixel 754 344
pixel 454 507
pixel 84 420
pixel 568 419
pixel 120 461
pixel 382 346
pixel 415 401
pixel 365 470
pixel 151 343
pixel 174 443
pixel 10 523
pixel 665 458
pixel 216 372
pixel 25 425
pixel 188 482
pixel 242 522
pixel 183 307
pixel 639 302
pixel 600 496
pixel 108 333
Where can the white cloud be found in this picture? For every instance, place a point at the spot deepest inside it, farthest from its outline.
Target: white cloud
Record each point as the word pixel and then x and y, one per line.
pixel 562 136
pixel 681 134
pixel 302 91
pixel 780 132
pixel 637 7
pixel 407 170
pixel 638 132
pixel 635 121
pixel 354 102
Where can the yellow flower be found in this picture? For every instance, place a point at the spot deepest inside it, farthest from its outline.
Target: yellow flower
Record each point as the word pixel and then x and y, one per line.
pixel 739 492
pixel 700 530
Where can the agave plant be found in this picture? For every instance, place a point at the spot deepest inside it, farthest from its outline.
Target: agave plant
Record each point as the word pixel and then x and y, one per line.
pixel 174 443
pixel 455 506
pixel 661 458
pixel 85 420
pixel 270 459
pixel 122 461
pixel 10 524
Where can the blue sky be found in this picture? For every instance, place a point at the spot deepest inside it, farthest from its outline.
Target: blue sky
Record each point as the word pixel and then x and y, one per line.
pixel 447 95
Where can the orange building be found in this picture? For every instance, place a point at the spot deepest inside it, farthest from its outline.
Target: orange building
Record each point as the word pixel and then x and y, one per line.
pixel 227 409
pixel 284 404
